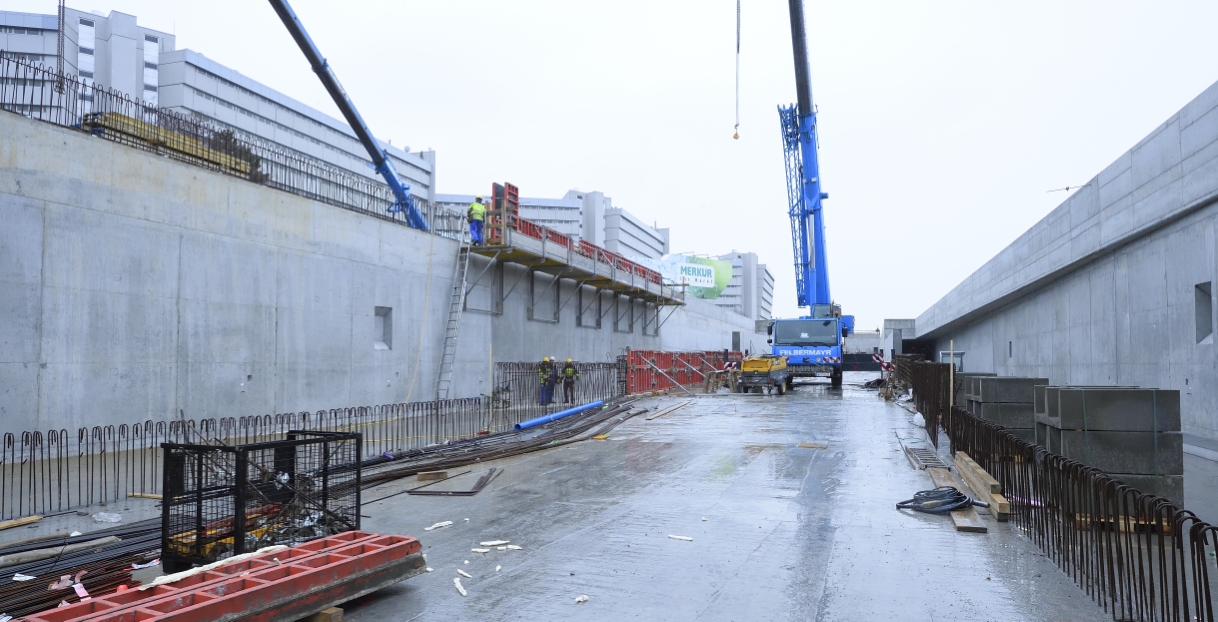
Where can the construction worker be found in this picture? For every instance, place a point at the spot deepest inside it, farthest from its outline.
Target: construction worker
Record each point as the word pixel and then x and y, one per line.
pixel 568 375
pixel 545 375
pixel 476 215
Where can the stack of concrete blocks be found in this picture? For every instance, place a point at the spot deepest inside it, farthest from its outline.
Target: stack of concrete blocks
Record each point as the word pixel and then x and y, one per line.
pixel 1006 401
pixel 1131 433
pixel 964 380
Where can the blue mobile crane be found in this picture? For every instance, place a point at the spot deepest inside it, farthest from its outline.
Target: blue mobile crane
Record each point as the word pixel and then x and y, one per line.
pixel 403 201
pixel 812 345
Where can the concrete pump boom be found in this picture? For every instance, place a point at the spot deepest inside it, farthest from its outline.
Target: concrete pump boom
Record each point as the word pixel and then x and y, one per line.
pixel 403 201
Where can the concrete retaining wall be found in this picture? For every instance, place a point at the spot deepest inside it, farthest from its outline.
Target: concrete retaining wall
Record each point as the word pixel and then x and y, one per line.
pixel 1101 291
pixel 135 287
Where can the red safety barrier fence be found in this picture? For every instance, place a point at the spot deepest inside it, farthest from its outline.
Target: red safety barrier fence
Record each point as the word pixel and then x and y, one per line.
pixel 654 370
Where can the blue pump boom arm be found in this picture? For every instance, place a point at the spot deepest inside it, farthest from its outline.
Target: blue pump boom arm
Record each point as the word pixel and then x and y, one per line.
pixel 403 201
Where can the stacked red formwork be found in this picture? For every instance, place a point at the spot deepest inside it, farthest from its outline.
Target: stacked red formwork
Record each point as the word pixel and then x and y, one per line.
pixel 285 584
pixel 655 370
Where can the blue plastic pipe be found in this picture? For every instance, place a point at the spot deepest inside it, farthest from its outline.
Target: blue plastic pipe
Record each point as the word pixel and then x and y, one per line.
pixel 524 425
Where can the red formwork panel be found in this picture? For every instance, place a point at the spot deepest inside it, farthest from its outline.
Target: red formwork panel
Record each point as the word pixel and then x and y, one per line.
pixel 277 586
pixel 684 367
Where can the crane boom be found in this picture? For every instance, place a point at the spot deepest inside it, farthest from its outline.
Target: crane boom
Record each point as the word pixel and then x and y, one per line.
pixel 811 345
pixel 803 175
pixel 403 201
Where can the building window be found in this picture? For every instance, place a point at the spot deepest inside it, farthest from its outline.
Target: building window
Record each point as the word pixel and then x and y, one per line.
pixel 151 39
pixel 1204 306
pixel 382 330
pixel 86 51
pixel 148 65
pixel 87 22
pixel 86 74
pixel 1010 349
pixel 149 87
pixel 86 97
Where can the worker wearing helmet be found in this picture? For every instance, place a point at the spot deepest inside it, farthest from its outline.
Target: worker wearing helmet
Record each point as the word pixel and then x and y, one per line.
pixel 476 215
pixel 568 375
pixel 545 375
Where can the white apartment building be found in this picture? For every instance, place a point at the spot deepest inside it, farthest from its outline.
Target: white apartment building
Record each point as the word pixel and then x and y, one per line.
pixel 115 52
pixel 111 51
pixel 588 216
pixel 751 290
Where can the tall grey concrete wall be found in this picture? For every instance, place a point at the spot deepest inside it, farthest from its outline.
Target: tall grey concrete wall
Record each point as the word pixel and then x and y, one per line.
pixel 133 287
pixel 1103 289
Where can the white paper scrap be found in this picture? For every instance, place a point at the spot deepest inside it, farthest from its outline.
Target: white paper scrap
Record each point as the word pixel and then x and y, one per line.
pixel 501 548
pixel 685 538
pixel 581 599
pixel 464 574
pixel 480 550
pixel 457 582
pixel 429 569
pixel 494 542
pixel 497 568
pixel 513 547
pixel 438 525
pixel 74 534
pixel 22 577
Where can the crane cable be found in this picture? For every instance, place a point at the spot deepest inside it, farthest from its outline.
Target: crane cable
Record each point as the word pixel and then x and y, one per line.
pixel 736 136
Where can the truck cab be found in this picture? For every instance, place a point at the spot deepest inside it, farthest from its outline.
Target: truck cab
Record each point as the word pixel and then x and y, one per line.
pixel 812 344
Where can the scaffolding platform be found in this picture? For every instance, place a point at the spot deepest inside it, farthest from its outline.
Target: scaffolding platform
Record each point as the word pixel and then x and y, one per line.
pixel 544 250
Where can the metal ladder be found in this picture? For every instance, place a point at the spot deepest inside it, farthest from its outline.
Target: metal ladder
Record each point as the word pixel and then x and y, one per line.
pixel 456 303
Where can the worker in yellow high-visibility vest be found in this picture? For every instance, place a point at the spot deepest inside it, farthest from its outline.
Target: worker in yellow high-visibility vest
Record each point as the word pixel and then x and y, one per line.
pixel 476 215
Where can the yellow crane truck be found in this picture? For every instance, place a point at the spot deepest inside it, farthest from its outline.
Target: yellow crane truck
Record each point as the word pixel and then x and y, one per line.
pixel 765 374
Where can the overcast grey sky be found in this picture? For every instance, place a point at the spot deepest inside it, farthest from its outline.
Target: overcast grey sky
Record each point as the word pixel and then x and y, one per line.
pixel 942 124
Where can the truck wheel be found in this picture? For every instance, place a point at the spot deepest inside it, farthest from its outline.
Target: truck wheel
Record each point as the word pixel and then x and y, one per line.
pixel 779 386
pixel 836 378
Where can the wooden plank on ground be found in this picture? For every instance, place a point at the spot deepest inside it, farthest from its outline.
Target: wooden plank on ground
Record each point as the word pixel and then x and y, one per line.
pixel 427 476
pixel 668 410
pixel 814 445
pixel 144 495
pixel 17 522
pixel 966 519
pixel 984 477
pixel 984 485
pixel 333 614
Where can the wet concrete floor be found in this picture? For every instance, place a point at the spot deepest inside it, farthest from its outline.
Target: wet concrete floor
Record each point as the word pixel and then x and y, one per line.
pixel 789 533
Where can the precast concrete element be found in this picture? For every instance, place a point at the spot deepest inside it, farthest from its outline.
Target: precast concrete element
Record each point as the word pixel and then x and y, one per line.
pixel 1047 394
pixel 1133 410
pixel 139 288
pixel 1115 285
pixel 1006 389
pixel 1170 487
pixel 1007 414
pixel 1152 453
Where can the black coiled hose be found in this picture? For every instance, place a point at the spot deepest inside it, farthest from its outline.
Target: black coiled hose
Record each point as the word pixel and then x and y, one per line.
pixel 941 500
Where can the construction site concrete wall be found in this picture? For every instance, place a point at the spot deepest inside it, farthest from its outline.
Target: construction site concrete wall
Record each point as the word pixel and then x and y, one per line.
pixel 136 287
pixel 1114 286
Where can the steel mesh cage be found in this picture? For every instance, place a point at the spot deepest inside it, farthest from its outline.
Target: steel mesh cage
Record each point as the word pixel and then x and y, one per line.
pixel 223 500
